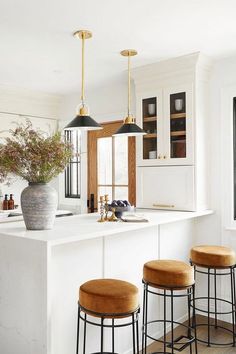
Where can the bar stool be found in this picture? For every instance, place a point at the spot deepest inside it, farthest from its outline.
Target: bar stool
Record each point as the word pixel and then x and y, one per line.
pixel 169 279
pixel 107 301
pixel 217 261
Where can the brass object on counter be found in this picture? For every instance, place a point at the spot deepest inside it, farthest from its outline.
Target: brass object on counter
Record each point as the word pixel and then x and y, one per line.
pixel 106 196
pixel 102 219
pixel 104 210
pixel 113 217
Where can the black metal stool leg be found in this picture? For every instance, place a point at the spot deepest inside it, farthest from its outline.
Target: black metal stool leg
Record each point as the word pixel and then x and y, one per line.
pixel 78 326
pixel 172 322
pixel 133 333
pixel 113 336
pixel 85 326
pixel 144 319
pixel 146 312
pixel 164 321
pixel 189 319
pixel 233 304
pixel 216 320
pixel 102 333
pixel 208 305
pixel 137 333
pixel 194 320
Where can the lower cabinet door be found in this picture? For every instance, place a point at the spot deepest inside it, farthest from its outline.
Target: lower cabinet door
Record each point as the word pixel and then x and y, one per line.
pixel 166 187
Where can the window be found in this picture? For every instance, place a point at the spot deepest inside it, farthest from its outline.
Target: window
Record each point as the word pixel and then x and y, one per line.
pixel 112 157
pixel 73 169
pixel 111 165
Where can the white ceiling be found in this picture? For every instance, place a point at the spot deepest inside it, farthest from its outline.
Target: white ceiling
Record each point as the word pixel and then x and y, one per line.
pixel 38 51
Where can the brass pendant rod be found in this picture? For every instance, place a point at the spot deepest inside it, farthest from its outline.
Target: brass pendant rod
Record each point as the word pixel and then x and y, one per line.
pixel 129 98
pixel 82 85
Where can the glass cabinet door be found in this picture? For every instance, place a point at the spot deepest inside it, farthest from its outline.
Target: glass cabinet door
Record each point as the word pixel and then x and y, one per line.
pixel 150 126
pixel 178 125
pixel 178 131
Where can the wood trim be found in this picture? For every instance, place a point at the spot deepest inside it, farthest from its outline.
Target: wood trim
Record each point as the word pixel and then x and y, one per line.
pixel 178 133
pixel 150 136
pixel 109 128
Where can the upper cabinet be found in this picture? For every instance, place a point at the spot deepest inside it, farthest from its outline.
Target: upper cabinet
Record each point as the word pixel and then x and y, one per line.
pixel 169 99
pixel 166 116
pixel 172 107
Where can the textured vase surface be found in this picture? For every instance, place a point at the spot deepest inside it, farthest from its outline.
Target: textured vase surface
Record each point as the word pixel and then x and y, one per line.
pixel 39 205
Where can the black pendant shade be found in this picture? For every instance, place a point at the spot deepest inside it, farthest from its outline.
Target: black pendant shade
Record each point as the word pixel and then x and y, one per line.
pixel 83 123
pixel 130 129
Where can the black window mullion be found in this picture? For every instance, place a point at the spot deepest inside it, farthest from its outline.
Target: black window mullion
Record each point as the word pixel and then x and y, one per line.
pixel 69 180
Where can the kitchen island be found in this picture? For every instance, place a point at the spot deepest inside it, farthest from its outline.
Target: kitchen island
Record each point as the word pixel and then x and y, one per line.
pixel 41 271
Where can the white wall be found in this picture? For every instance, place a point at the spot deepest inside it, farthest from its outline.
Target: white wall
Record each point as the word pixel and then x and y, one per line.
pixel 212 229
pixel 43 108
pixel 106 103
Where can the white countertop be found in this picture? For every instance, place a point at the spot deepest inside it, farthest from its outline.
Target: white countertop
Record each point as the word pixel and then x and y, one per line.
pixel 85 226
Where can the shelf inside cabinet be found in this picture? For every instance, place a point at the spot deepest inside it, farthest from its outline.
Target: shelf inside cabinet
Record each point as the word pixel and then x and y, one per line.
pixel 178 133
pixel 177 115
pixel 150 136
pixel 149 119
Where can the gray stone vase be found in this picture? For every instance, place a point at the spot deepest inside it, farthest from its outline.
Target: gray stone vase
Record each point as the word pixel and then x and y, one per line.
pixel 39 205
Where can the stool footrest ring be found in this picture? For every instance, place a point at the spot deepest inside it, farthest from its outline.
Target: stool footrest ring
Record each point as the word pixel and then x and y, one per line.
pixel 213 343
pixel 191 340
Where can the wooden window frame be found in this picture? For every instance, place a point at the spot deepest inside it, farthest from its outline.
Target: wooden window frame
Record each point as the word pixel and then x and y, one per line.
pixel 109 128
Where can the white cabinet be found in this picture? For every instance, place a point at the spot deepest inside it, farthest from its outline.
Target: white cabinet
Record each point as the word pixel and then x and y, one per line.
pixel 170 187
pixel 172 107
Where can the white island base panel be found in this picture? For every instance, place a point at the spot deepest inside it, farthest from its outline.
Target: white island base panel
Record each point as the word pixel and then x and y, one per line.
pixel 41 271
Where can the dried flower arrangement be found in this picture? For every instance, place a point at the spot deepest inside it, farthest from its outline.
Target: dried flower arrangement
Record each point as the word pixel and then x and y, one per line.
pixel 33 155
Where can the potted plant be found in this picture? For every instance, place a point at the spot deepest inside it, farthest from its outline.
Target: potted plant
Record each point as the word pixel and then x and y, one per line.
pixel 36 157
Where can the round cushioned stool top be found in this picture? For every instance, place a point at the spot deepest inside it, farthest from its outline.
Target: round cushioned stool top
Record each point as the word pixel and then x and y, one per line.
pixel 168 274
pixel 213 256
pixel 109 296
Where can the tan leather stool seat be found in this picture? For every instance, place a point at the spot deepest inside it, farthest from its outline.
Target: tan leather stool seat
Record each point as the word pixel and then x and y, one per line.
pixel 168 274
pixel 109 296
pixel 213 256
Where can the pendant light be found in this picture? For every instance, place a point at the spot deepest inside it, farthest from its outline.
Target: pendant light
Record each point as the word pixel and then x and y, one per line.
pixel 129 128
pixel 83 121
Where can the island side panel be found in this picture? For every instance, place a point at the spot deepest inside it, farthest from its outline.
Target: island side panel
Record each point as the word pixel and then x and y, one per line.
pixel 71 265
pixel 124 257
pixel 176 240
pixel 23 296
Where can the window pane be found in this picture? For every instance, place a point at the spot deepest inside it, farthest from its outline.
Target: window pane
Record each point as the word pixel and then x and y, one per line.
pixel 121 159
pixel 105 190
pixel 75 179
pixel 72 171
pixel 104 152
pixel 75 140
pixel 121 193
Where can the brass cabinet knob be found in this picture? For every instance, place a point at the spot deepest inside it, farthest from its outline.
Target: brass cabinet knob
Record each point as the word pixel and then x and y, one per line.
pixel 164 157
pixel 159 156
